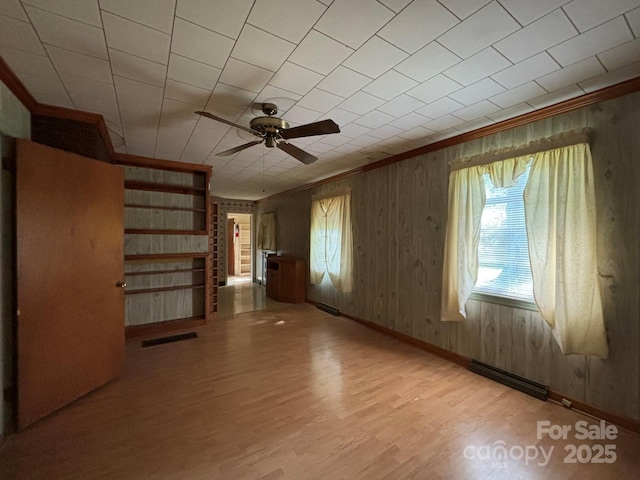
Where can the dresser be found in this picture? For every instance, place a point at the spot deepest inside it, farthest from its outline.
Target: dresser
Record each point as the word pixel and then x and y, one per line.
pixel 286 279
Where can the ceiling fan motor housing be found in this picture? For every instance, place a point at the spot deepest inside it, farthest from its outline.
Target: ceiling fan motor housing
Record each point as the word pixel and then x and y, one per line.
pixel 269 127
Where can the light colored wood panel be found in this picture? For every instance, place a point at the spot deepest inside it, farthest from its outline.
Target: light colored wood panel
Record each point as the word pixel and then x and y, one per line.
pixel 518 342
pixel 489 332
pixel 537 346
pixel 135 244
pixel 395 279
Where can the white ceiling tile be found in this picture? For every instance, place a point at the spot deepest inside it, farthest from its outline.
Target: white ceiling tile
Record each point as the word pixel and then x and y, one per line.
pixel 364 141
pixel 374 119
pixel 183 92
pixel 409 121
pixel 401 105
pixel 13 9
pixel 199 44
pixel 527 70
pixel 319 53
pixel 228 95
pixel 320 101
pixel 137 68
pixel 390 85
pixel 85 86
pixel 341 117
pixel 66 33
pixel 80 64
pixel 375 57
pixel 633 18
pixel 396 5
pixel 221 16
pixel 575 73
pixel 511 112
pixel 518 95
pixel 336 140
pixel 427 62
pixel 319 147
pixel 243 75
pixel 19 35
pixel 586 14
pixel 344 82
pixel 27 62
pixel 558 96
pixel 45 86
pixel 45 99
pixel 291 20
pixel 417 25
pixel 463 8
pixel 474 124
pixel 190 71
pixel 478 91
pixel 85 11
pixel 443 123
pixel 89 103
pixel 434 88
pixel 282 98
pixel 526 11
pixel 361 103
pixel 481 65
pixel 611 78
pixel 294 78
pixel 261 49
pixel 156 14
pixel 353 22
pixel 131 37
pixel 486 26
pixel 477 110
pixel 621 56
pixel 538 36
pixel 301 115
pixel 440 108
pixel 353 130
pixel 136 90
pixel 606 36
pixel 384 132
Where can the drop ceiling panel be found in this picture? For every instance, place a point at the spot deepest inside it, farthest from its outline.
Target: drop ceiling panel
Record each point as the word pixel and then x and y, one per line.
pixel 138 90
pixel 319 53
pixel 586 14
pixel 245 76
pixel 26 62
pixel 374 119
pixel 474 93
pixel 92 88
pixel 572 74
pixel 85 11
pixel 440 108
pixel 189 71
pixel 488 25
pixel 361 103
pixel 45 86
pixel 13 9
pixel 409 121
pixel 136 39
pixel 80 64
pixel 200 44
pixel 390 85
pixel 343 82
pixel 434 88
pixel 477 67
pixel 136 68
pixel 261 49
pixel 518 95
pixel 291 20
pixel 353 22
pixel 220 16
pixel 529 69
pixel 633 18
pixel 463 8
pixel 620 56
pixel 526 11
pixel 417 25
pixel 157 14
pixel 480 109
pixel 427 62
pixel 320 101
pixel 401 105
pixel 375 57
pixel 296 79
pixel 66 33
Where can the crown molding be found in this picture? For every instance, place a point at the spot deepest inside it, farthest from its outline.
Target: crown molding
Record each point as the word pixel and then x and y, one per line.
pixel 608 93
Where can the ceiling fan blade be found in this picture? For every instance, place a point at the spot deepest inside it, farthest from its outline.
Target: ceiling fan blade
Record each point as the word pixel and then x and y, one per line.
pixel 297 153
pixel 310 129
pixel 233 150
pixel 219 119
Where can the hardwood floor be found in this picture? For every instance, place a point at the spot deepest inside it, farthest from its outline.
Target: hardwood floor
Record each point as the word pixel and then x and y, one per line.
pixel 293 392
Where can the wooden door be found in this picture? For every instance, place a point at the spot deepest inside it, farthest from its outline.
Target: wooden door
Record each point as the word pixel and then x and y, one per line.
pixel 70 327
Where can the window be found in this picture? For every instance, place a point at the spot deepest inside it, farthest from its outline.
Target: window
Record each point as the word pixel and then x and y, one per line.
pixel 331 241
pixel 504 269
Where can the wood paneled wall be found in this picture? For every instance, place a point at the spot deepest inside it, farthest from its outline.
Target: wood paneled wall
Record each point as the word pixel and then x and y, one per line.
pixel 399 217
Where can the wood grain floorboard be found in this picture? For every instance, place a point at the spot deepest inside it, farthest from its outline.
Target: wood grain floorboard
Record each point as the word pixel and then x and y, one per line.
pixel 315 397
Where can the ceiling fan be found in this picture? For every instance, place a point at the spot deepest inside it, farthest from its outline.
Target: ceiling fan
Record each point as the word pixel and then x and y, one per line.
pixel 273 132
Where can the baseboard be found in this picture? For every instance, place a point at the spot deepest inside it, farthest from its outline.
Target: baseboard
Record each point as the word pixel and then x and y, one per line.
pixel 135 331
pixel 626 423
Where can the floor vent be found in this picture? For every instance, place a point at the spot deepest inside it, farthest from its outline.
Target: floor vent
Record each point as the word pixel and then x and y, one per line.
pixel 329 309
pixel 170 339
pixel 510 379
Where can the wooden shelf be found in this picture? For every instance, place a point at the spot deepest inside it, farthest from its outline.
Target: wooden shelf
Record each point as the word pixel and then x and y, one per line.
pixel 157 231
pixel 159 207
pixel 164 256
pixel 161 272
pixel 164 187
pixel 163 289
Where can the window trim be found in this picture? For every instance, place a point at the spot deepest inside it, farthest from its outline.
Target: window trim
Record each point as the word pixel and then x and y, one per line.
pixel 506 301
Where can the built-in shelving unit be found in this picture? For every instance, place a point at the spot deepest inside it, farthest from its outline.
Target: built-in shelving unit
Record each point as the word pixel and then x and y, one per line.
pixel 213 257
pixel 168 256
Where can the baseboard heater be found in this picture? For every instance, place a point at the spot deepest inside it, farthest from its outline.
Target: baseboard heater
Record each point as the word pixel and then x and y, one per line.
pixel 329 309
pixel 510 379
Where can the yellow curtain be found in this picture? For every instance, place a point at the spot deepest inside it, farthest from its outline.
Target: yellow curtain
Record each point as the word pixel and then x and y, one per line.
pixel 560 214
pixel 466 202
pixel 332 242
pixel 267 232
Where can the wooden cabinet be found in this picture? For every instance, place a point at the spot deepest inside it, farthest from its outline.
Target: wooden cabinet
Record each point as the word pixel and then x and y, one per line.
pixel 286 280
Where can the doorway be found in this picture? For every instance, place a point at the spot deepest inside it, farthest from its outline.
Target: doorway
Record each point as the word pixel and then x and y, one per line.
pixel 239 248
